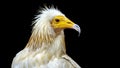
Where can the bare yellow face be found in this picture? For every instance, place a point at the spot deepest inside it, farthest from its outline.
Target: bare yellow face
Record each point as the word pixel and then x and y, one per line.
pixel 62 22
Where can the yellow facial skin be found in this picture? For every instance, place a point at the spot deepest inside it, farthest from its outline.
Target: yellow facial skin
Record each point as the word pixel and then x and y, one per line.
pixel 62 22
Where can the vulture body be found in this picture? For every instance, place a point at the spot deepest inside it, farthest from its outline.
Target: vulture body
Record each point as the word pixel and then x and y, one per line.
pixel 46 46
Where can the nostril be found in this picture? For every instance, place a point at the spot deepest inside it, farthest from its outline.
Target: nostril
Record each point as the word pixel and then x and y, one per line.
pixel 69 22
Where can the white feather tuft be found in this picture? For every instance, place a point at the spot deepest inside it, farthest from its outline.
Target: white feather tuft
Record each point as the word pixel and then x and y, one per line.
pixel 46 14
pixel 43 20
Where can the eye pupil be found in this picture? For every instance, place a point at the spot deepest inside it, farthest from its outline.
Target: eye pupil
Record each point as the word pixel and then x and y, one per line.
pixel 57 20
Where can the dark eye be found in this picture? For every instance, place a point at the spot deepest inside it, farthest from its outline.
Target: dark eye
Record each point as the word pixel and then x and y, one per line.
pixel 57 20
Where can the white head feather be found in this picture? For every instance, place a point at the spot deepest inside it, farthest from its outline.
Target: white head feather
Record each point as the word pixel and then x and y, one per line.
pixel 43 20
pixel 43 32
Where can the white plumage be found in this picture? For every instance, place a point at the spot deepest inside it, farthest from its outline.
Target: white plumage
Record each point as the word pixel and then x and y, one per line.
pixel 46 46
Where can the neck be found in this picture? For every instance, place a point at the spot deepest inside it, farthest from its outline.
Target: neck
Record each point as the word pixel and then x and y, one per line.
pixel 51 43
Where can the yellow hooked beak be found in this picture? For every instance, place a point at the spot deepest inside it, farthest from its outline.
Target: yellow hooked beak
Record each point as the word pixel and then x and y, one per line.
pixel 62 22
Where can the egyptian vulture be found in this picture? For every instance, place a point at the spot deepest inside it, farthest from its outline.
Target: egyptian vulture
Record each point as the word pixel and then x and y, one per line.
pixel 46 46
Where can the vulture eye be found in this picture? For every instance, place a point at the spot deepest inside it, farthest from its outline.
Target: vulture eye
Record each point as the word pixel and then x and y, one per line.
pixel 57 20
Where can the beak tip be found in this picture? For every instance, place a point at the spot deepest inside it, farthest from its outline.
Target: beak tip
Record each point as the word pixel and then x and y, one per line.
pixel 79 33
pixel 77 28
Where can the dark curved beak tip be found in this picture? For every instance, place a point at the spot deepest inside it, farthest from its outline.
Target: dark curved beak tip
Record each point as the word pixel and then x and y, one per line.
pixel 77 28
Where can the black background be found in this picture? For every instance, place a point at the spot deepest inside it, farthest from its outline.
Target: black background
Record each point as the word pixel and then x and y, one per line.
pixel 90 50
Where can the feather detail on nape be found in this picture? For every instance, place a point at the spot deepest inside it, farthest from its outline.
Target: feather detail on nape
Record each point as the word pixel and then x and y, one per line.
pixel 42 24
pixel 42 31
